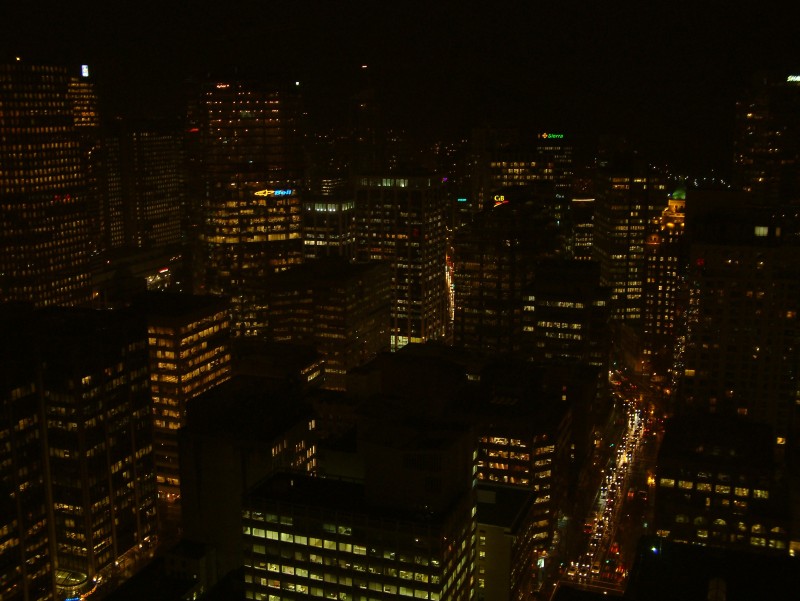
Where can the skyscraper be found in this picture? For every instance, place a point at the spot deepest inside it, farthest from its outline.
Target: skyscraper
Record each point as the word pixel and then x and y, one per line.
pixel 189 348
pixel 664 288
pixel 767 141
pixel 565 314
pixel 743 334
pixel 402 220
pixel 26 568
pixel 342 309
pixel 250 171
pixel 628 198
pixel 77 451
pixel 143 186
pixel 45 238
pixel 494 261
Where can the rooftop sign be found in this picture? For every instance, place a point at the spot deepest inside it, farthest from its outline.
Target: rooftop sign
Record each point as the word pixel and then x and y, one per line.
pixel 287 192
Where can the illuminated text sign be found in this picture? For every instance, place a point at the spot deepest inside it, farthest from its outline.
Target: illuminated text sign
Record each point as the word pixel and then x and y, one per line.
pixel 547 136
pixel 793 78
pixel 499 199
pixel 286 192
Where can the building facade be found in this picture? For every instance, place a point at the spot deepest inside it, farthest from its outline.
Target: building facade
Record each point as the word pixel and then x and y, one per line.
pixel 45 201
pixel 627 200
pixel 664 291
pixel 401 220
pixel 250 171
pixel 189 353
pixel 342 309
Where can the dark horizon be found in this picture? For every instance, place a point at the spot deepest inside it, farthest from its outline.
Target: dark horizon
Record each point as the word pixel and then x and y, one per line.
pixel 665 77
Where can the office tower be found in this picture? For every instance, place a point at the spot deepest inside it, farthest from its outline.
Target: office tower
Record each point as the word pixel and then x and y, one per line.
pixel 565 313
pixel 329 226
pixel 582 217
pixel 741 350
pixel 249 164
pixel 237 434
pixel 507 563
pixel 664 290
pixel 407 528
pixel 143 186
pixel 665 570
pixel 95 383
pixel 493 263
pixel 26 569
pixel 767 139
pixel 401 220
pixel 341 309
pixel 45 243
pixel 628 198
pixel 189 347
pixel 717 485
pixel 512 158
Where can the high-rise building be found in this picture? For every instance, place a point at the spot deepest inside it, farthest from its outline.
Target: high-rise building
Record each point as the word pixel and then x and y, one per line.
pixel 237 434
pixel 189 354
pixel 26 567
pixel 767 140
pixel 664 289
pixel 329 227
pixel 45 235
pixel 494 261
pixel 342 309
pixel 582 217
pixel 79 449
pixel 401 220
pixel 717 485
pixel 627 200
pixel 565 313
pixel 511 158
pixel 249 163
pixel 100 446
pixel 743 333
pixel 143 186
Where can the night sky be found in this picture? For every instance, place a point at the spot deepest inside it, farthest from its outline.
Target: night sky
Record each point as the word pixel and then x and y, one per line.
pixel 665 74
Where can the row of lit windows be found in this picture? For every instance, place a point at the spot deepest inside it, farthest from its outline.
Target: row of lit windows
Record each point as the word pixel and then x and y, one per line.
pixel 723 489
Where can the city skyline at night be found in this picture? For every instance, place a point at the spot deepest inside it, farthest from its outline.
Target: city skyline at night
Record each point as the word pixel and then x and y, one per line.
pixel 359 301
pixel 666 76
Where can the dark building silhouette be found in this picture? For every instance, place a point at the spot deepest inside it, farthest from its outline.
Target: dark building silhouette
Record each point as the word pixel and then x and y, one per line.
pixel 565 313
pixel 717 485
pixel 142 185
pixel 741 348
pixel 236 434
pixel 26 567
pixel 767 139
pixel 341 309
pixel 494 260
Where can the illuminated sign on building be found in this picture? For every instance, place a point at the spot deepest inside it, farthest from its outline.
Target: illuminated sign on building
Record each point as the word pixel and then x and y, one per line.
pixel 795 78
pixel 461 199
pixel 499 199
pixel 287 192
pixel 222 86
pixel 547 136
pixel 84 70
